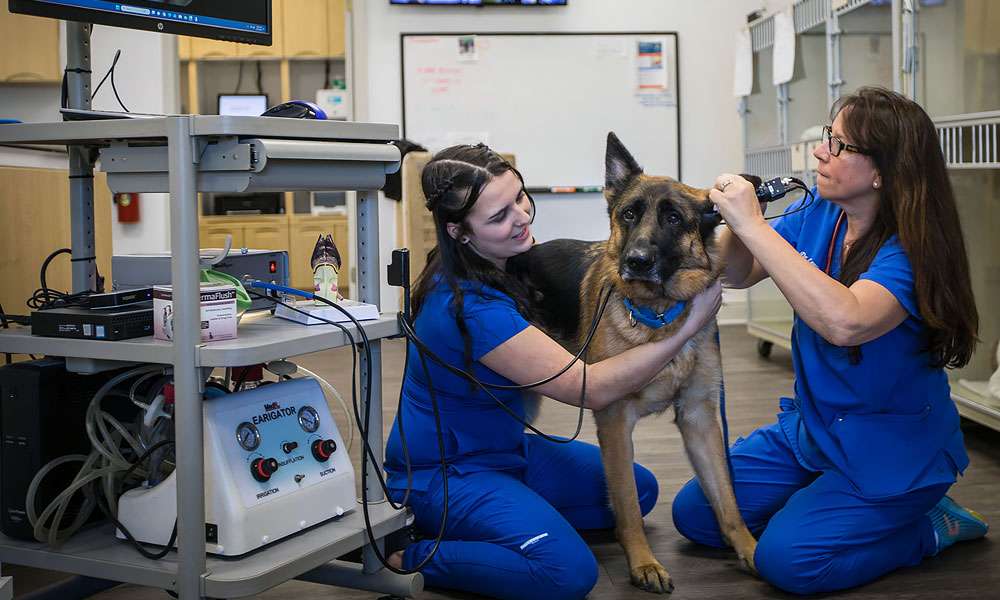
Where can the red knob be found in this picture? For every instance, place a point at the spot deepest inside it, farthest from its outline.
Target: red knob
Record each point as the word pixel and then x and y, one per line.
pixel 322 450
pixel 263 468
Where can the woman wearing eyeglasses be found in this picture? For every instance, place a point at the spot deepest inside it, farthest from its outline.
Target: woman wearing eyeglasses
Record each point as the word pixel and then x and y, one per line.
pixel 849 483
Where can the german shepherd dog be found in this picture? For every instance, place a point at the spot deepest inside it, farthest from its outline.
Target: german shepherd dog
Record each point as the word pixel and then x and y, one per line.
pixel 660 252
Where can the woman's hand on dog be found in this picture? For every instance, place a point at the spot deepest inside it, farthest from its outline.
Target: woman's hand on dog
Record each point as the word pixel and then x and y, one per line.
pixel 737 202
pixel 704 307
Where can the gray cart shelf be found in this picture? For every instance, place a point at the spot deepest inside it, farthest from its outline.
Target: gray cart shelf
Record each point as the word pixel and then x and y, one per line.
pixel 183 155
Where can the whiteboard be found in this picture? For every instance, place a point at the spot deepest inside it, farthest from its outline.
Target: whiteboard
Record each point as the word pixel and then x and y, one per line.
pixel 549 99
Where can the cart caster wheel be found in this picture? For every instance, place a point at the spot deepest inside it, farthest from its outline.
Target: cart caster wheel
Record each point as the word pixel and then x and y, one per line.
pixel 764 348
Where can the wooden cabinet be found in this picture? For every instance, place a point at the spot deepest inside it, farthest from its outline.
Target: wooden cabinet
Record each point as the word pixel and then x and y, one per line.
pixel 277 47
pixel 306 24
pixel 303 234
pixel 29 49
pixel 36 222
pixel 337 36
pixel 202 48
pixel 302 29
pixel 183 47
pixel 266 236
pixel 262 233
pixel 213 235
pixel 297 235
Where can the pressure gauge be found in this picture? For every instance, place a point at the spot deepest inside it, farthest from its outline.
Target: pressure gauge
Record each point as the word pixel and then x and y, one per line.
pixel 248 436
pixel 308 419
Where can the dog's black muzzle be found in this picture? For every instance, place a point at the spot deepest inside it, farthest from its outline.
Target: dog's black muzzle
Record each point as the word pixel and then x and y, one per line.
pixel 639 263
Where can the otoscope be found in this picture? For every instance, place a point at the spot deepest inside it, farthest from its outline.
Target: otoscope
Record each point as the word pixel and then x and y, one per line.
pixel 767 191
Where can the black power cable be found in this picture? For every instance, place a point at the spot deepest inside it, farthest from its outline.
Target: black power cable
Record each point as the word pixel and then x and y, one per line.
pixel 367 453
pixel 101 503
pixel 407 328
pixel 111 74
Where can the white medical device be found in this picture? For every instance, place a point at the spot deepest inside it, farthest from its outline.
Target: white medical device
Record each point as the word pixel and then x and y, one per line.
pixel 275 464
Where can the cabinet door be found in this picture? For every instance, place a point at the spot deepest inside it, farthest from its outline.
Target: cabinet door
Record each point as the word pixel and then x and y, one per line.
pixel 214 235
pixel 266 236
pixel 205 48
pixel 305 28
pixel 36 222
pixel 336 29
pixel 302 239
pixel 29 48
pixel 277 47
pixel 183 47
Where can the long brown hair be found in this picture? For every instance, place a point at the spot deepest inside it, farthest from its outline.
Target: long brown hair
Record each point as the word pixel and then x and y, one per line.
pixel 916 203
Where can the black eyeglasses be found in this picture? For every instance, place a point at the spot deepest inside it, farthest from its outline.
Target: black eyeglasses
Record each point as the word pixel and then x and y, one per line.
pixel 838 145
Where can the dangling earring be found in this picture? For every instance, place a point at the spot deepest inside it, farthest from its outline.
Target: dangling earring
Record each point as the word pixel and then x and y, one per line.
pixel 464 240
pixel 875 184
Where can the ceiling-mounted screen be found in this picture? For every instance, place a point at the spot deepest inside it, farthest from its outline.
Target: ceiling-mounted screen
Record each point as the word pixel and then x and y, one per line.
pixel 480 2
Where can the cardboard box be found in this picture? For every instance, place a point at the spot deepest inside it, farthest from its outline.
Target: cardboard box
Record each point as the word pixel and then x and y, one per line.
pixel 218 312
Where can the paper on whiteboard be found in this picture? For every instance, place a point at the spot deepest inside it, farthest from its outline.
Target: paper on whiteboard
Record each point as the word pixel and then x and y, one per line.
pixel 784 47
pixel 743 63
pixel 653 85
pixel 467 49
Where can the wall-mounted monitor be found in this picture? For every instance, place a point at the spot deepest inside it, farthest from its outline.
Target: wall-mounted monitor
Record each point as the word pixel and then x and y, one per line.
pixel 247 21
pixel 243 105
pixel 480 2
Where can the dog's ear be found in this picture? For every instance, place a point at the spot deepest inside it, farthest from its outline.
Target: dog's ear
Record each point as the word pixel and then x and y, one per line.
pixel 753 179
pixel 619 166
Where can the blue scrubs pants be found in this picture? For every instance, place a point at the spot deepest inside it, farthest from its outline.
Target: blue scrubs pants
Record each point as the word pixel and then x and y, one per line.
pixel 513 534
pixel 816 532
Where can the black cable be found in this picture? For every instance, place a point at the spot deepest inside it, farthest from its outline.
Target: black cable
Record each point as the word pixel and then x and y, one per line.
pixel 44 297
pixel 101 503
pixel 422 349
pixel 799 185
pixel 238 384
pixel 367 453
pixel 114 89
pixel 45 265
pixel 239 78
pixel 111 74
pixel 8 358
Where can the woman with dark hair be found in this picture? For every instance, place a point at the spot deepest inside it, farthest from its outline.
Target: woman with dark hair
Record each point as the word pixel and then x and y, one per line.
pixel 850 483
pixel 514 501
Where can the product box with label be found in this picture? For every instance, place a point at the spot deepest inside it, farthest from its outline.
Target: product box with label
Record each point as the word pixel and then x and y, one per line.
pixel 218 312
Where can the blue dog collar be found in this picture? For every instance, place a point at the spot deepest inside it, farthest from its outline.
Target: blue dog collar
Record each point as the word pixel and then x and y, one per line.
pixel 650 318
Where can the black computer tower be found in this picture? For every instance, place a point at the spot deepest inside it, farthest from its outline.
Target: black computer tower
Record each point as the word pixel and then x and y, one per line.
pixel 42 410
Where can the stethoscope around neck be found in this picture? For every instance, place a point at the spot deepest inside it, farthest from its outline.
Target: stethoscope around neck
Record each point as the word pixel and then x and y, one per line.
pixel 853 352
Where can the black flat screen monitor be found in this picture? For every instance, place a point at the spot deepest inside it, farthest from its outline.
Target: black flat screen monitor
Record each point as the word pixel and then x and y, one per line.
pixel 247 21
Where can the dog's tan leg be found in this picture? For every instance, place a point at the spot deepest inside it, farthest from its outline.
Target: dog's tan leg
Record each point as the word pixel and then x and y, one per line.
pixel 703 441
pixel 614 430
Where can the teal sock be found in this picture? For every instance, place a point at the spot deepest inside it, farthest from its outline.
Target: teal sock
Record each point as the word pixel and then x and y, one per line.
pixel 955 523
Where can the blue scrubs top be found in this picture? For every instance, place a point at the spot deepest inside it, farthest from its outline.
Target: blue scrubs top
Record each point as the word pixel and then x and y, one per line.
pixel 888 423
pixel 478 434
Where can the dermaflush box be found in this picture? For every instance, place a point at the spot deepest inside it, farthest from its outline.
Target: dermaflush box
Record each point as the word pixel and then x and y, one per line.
pixel 218 312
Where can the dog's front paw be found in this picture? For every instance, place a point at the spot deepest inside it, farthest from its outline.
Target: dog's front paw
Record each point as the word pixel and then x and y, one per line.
pixel 746 555
pixel 652 577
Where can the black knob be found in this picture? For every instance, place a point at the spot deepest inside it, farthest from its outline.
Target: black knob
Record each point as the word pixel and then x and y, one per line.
pixel 322 450
pixel 287 447
pixel 263 468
